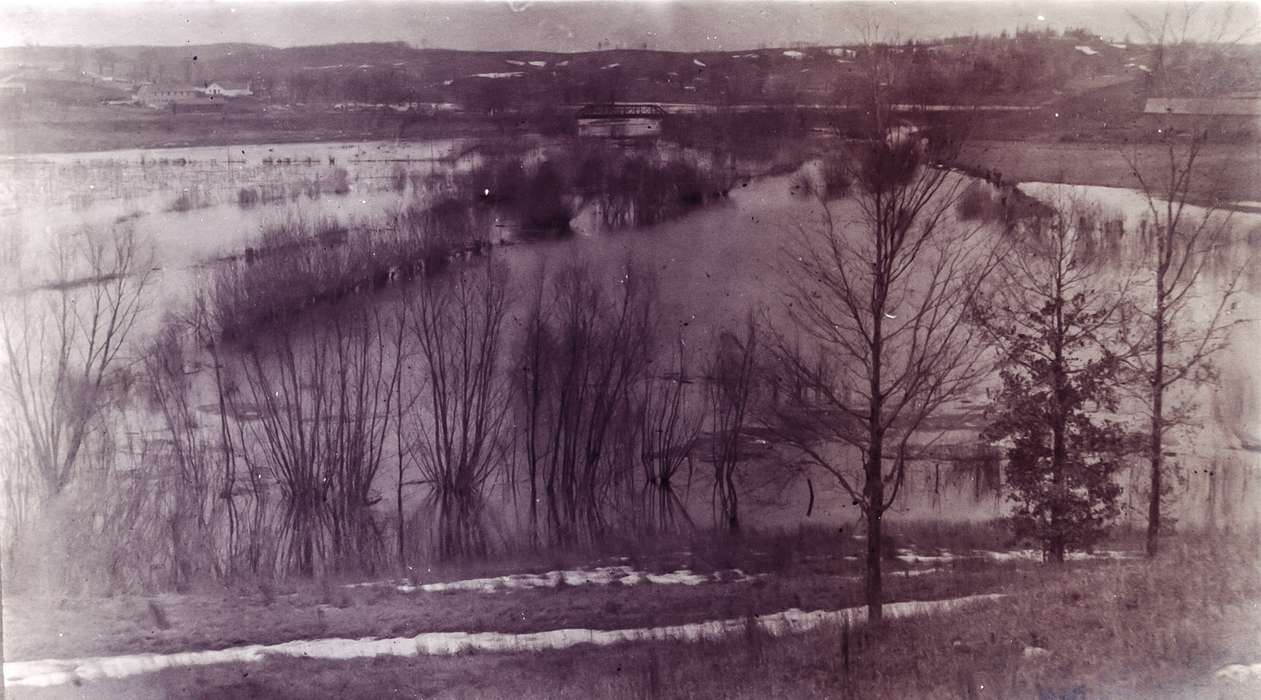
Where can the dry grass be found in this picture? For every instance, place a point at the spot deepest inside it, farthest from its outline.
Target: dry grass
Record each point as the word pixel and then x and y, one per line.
pixel 1131 630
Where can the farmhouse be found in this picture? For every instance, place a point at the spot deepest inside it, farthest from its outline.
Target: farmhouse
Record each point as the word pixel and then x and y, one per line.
pixel 620 120
pixel 1228 116
pixel 154 95
pixel 227 89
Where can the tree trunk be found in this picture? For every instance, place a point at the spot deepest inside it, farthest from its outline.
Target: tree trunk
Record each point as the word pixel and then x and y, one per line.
pixel 873 585
pixel 1158 423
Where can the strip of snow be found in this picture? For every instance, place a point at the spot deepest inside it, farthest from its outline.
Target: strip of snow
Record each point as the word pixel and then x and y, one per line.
pixel 794 54
pixel 515 63
pixel 1118 46
pixel 698 62
pixel 599 576
pixel 611 65
pixel 512 74
pixel 1035 555
pixel 910 557
pixel 563 63
pixel 51 672
pixel 1240 673
pixel 1086 50
pixel 538 64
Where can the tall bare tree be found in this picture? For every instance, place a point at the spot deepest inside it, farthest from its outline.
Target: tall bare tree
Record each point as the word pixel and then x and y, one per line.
pixel 1182 240
pixel 881 305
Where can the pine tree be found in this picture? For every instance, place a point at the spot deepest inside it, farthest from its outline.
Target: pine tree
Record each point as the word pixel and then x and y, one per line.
pixel 1055 328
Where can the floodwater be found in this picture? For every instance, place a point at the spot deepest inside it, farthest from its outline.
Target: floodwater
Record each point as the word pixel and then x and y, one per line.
pixel 712 265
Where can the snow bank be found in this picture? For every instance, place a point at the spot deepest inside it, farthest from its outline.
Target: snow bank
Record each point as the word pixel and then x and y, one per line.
pixel 51 672
pixel 1036 555
pixel 599 576
pixel 911 557
pixel 1240 673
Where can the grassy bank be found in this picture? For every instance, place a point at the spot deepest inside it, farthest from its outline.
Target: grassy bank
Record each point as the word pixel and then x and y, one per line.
pixel 1139 629
pixel 1230 171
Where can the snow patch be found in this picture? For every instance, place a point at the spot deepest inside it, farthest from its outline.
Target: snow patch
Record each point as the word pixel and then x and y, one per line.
pixel 698 62
pixel 911 557
pixel 538 64
pixel 1240 673
pixel 611 65
pixel 515 63
pixel 1086 50
pixel 1035 555
pixel 51 672
pixel 795 54
pixel 599 576
pixel 512 74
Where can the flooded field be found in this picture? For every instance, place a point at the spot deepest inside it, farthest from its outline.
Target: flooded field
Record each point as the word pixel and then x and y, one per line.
pixel 199 207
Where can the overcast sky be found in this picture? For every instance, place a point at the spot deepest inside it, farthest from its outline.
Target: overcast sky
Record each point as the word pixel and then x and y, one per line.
pixel 556 26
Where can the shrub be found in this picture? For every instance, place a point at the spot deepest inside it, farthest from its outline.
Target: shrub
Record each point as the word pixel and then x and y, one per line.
pixel 247 197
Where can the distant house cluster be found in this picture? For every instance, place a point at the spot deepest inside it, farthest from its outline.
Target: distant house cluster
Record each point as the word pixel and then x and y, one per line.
pixel 189 97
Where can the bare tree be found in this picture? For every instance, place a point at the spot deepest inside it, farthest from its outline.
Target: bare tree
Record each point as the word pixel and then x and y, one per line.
pixel 881 304
pixel 322 396
pixel 196 496
pixel 731 389
pixel 1182 240
pixel 1172 345
pixel 62 345
pixel 458 323
pixel 584 351
pixel 669 426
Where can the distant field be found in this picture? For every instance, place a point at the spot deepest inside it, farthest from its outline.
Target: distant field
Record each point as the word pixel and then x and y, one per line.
pixel 1231 171
pixel 116 128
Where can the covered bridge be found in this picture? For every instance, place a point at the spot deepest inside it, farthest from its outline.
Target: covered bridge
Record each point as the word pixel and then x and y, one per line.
pixel 620 120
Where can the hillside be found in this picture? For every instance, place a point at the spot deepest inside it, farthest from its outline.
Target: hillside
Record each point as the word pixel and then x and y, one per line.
pixel 1027 69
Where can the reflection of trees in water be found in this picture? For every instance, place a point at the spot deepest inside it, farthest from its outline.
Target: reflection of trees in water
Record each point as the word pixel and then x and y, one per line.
pixel 977 478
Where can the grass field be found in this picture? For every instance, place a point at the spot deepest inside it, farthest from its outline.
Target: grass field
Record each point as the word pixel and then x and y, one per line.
pixel 1087 629
pixel 1232 171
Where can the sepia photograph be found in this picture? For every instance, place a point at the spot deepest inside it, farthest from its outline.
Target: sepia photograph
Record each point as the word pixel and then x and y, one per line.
pixel 630 349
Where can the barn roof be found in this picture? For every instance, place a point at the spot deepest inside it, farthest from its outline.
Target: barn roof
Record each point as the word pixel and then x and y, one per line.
pixel 1220 106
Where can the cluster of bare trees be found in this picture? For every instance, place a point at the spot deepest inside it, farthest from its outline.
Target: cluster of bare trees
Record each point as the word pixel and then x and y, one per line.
pixel 269 454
